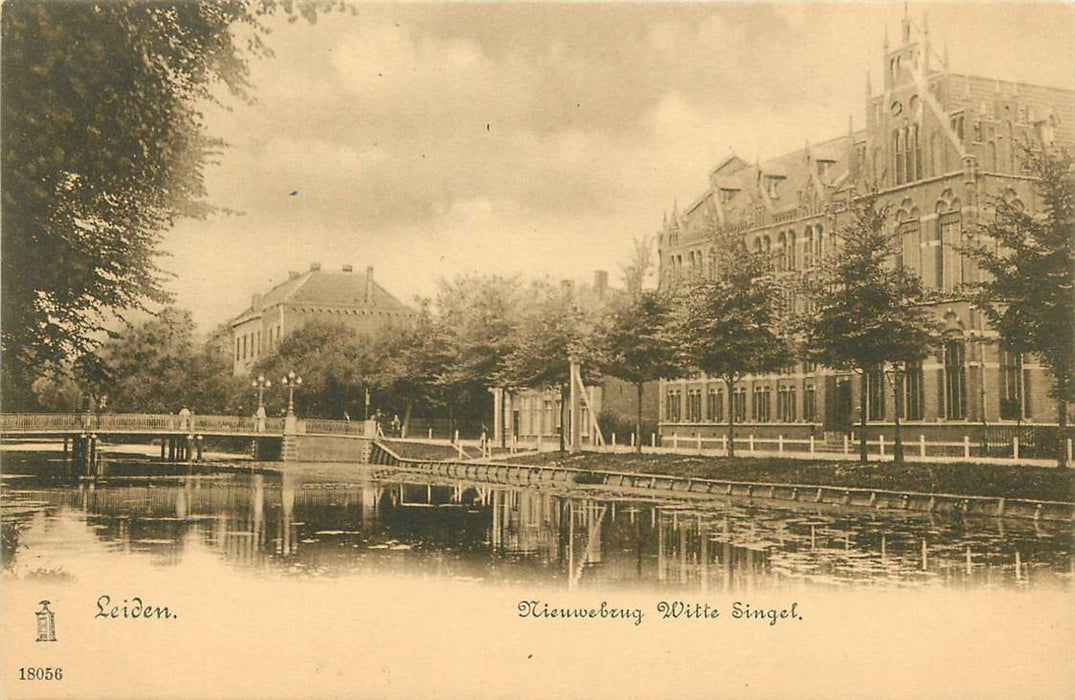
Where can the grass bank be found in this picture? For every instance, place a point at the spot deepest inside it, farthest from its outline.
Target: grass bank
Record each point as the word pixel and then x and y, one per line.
pixel 968 479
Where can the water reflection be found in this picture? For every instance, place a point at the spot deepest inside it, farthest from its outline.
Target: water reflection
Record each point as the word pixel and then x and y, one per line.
pixel 388 522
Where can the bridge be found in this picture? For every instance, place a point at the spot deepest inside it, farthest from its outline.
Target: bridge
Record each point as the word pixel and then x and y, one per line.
pixel 163 424
pixel 181 436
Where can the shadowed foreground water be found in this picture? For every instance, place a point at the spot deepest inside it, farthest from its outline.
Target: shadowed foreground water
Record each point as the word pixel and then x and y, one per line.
pixel 373 520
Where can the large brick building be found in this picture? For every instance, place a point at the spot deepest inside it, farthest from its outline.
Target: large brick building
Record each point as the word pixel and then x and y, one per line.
pixel 939 146
pixel 355 300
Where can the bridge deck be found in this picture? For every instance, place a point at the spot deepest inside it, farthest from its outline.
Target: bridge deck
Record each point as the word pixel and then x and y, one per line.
pixel 159 425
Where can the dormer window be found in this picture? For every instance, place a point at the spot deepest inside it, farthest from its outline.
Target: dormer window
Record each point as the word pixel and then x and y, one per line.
pixel 771 186
pixel 823 165
pixel 726 195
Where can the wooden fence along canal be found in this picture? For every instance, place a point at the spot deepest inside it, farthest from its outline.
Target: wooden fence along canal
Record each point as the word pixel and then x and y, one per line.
pixel 696 487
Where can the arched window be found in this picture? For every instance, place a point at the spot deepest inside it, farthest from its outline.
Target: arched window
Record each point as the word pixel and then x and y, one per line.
pixel 781 259
pixel 808 247
pixel 819 244
pixel 955 380
pixel 897 156
pixel 790 250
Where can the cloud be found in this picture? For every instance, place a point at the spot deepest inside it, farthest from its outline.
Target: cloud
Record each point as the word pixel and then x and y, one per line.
pixel 430 139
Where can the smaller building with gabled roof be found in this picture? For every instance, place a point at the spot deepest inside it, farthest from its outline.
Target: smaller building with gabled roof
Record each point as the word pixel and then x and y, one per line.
pixel 353 300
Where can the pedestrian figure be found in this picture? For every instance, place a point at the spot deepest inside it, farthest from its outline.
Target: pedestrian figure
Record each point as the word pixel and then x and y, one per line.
pixel 396 426
pixel 260 416
pixel 184 418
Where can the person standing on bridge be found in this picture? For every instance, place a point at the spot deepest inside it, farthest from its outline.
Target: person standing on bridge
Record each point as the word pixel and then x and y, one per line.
pixel 260 415
pixel 184 418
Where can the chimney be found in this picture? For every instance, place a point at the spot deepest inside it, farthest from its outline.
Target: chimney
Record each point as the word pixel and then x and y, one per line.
pixel 255 302
pixel 348 268
pixel 600 283
pixel 292 274
pixel 369 284
pixel 315 266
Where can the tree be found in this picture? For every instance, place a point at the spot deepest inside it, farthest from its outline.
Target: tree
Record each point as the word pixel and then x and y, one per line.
pixel 552 333
pixel 335 363
pixel 409 363
pixel 632 340
pixel 729 326
pixel 1028 296
pixel 477 317
pixel 156 367
pixel 868 309
pixel 103 148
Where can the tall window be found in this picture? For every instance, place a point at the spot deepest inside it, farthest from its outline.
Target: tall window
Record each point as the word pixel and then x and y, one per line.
pixel 1013 394
pixel 760 407
pixel 955 380
pixel 791 256
pixel 949 259
pixel 912 392
pixel 785 404
pixel 875 394
pixel 897 153
pixel 809 404
pixel 909 252
pixel 740 405
pixel 714 406
pixel 238 347
pixel 694 405
pixel 672 407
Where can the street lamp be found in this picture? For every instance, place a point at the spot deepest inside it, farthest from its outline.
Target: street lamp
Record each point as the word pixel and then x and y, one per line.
pixel 261 384
pixel 291 381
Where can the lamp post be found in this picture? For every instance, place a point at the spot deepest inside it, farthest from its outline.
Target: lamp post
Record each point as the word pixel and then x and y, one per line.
pixel 291 381
pixel 261 384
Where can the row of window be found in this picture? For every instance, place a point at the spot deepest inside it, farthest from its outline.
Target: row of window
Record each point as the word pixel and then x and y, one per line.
pixel 760 405
pixel 250 345
pixel 952 399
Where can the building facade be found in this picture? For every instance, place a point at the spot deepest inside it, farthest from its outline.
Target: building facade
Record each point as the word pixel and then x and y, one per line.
pixel 354 300
pixel 940 147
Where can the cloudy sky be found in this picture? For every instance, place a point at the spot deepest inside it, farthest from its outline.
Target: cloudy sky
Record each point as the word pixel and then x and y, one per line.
pixel 434 140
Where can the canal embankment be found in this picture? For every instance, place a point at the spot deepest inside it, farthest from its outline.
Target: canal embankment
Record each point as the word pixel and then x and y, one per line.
pixel 968 489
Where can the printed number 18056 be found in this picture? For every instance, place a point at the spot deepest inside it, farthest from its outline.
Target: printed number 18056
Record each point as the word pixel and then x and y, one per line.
pixel 38 673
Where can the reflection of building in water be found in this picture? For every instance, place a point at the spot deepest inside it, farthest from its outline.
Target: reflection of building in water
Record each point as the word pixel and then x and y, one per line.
pixel 487 531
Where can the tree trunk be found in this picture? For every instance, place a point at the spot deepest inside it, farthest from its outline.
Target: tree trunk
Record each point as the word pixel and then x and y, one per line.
pixel 730 383
pixel 407 418
pixel 1062 429
pixel 563 419
pixel 638 419
pixel 897 449
pixel 862 418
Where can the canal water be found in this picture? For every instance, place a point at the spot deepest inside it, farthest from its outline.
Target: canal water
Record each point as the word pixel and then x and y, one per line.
pixel 364 519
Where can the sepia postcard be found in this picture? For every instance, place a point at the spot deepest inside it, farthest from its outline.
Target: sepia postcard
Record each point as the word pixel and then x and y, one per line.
pixel 537 350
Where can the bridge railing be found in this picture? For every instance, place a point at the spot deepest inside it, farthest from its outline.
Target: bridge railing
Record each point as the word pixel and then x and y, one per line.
pixel 39 422
pixel 137 423
pixel 323 426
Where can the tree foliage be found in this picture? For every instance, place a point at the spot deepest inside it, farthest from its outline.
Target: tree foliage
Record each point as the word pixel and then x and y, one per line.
pixel 477 315
pixel 156 366
pixel 336 366
pixel 868 310
pixel 634 344
pixel 104 146
pixel 730 326
pixel 1027 294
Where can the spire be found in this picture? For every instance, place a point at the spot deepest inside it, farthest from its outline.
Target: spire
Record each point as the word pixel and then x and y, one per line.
pixel 906 25
pixel 869 86
pixel 886 37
